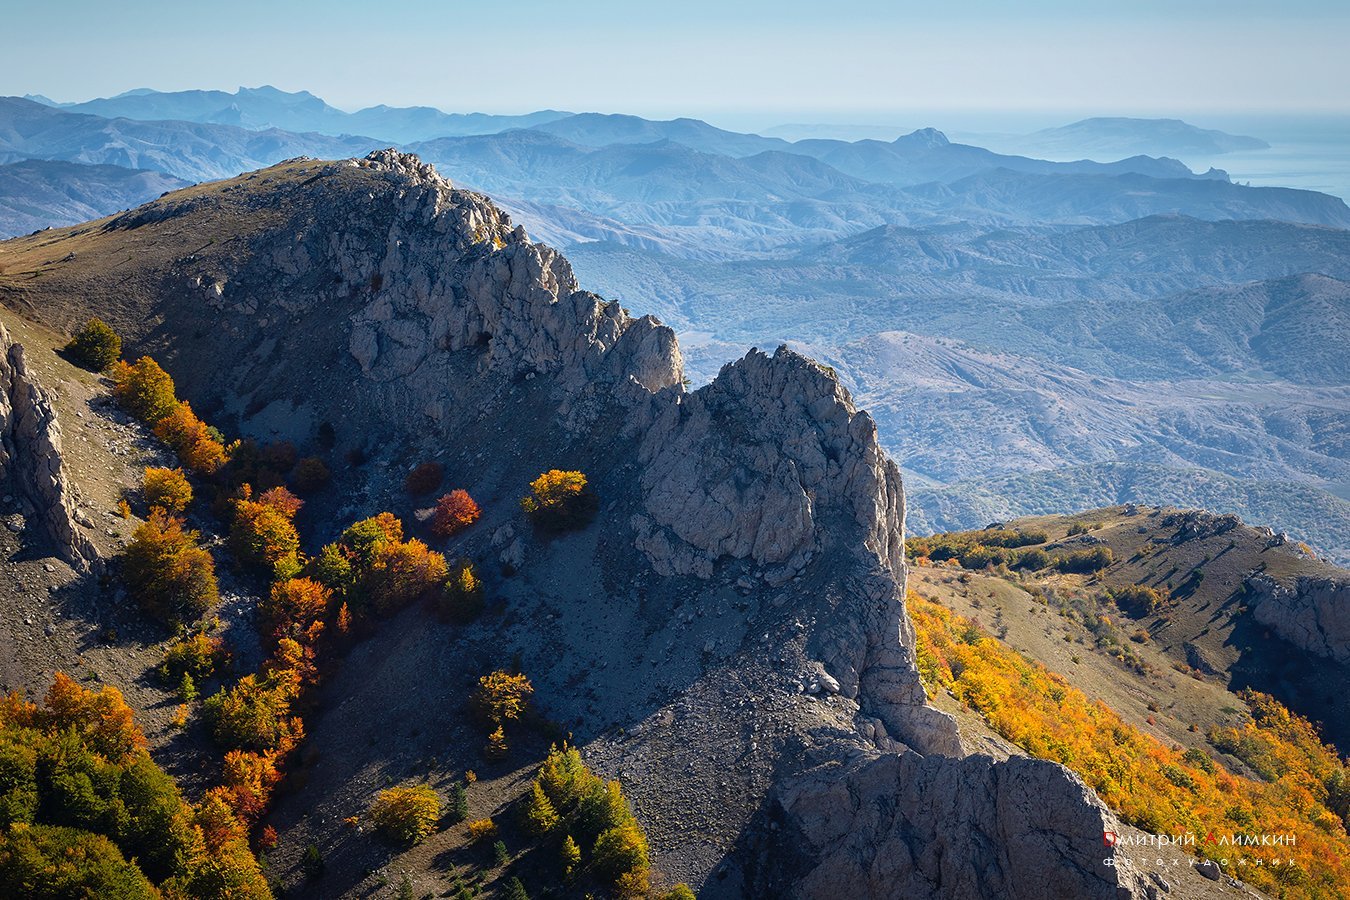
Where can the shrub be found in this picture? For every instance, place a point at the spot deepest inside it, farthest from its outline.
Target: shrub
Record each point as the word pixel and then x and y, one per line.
pixel 95 346
pixel 1138 599
pixel 1033 559
pixel 678 892
pixel 424 479
pixel 460 598
pixel 166 488
pixel 406 815
pixel 1085 561
pixel 171 577
pixel 559 499
pixel 197 654
pixel 144 389
pixel 311 475
pixel 454 512
pixel 311 862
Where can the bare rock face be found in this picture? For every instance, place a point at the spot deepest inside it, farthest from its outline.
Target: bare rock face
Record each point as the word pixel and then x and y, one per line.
pixel 30 457
pixel 767 463
pixel 902 825
pixel 1312 613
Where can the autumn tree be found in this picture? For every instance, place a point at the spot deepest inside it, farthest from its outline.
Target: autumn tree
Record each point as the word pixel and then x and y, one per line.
pixel 295 608
pixel 166 488
pixel 559 499
pixel 455 511
pixel 424 479
pixel 540 816
pixel 501 697
pixel 95 346
pixel 172 578
pixel 144 389
pixel 263 533
pixel 192 439
pixel 406 815
pixel 402 573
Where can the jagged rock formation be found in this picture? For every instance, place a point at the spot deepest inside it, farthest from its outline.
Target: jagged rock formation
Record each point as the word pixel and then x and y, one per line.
pixel 967 828
pixel 730 638
pixel 1312 613
pixel 30 458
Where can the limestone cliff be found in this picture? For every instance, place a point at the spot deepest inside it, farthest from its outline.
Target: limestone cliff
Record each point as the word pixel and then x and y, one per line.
pixel 1312 613
pixel 31 463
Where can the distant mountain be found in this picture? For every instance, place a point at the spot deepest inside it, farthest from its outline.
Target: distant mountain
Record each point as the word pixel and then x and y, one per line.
pixel 601 130
pixel 40 193
pixel 916 158
pixel 190 150
pixel 1047 292
pixel 1111 138
pixel 996 195
pixel 267 107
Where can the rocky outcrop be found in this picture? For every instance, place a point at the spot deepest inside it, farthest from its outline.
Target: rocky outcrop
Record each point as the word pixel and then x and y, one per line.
pixel 448 271
pixel 1312 613
pixel 902 825
pixel 770 463
pixel 30 457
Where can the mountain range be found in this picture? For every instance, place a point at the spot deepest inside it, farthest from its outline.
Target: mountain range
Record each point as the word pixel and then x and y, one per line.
pixel 1054 287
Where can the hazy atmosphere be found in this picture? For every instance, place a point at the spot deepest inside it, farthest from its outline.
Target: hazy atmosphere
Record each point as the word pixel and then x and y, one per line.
pixel 703 451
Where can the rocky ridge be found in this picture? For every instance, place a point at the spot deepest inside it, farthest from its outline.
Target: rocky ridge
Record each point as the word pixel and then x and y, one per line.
pixel 374 295
pixel 31 463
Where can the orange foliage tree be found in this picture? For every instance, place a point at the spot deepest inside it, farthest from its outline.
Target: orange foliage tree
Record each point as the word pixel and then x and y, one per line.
pixel 455 511
pixel 295 608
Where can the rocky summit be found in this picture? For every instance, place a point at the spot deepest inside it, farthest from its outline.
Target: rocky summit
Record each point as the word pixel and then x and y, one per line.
pixel 728 637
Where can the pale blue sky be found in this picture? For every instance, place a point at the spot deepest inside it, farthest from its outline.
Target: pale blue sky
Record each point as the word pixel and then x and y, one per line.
pixel 752 61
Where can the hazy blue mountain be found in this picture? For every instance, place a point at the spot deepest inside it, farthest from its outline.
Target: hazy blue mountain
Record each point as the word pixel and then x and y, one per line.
pixel 193 151
pixel 267 107
pixel 1031 355
pixel 601 130
pixel 927 155
pixel 917 158
pixel 1071 198
pixel 1039 291
pixel 40 193
pixel 1114 137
